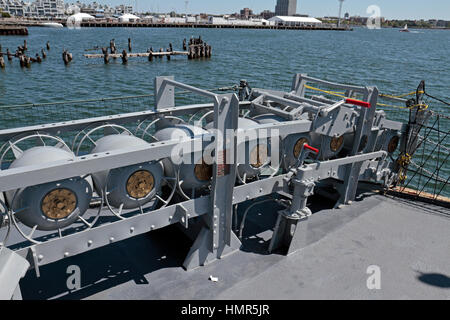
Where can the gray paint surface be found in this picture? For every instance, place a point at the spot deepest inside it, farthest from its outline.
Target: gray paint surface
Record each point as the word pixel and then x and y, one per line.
pixel 409 241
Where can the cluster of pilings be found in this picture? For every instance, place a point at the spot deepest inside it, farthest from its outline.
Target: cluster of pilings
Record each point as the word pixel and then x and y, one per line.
pixel 197 49
pixel 20 53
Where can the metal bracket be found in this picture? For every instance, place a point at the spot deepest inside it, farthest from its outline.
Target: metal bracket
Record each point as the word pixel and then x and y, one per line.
pixel 164 93
pixel 32 256
pixel 290 231
pixel 184 219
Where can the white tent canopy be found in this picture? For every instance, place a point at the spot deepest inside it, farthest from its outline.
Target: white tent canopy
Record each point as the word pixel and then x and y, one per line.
pixel 79 17
pixel 129 18
pixel 295 21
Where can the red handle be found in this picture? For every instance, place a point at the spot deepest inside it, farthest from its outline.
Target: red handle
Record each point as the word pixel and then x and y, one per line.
pixel 358 103
pixel 306 146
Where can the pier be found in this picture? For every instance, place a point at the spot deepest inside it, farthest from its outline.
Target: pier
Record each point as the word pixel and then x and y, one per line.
pixel 13 31
pixel 98 24
pixel 197 49
pixel 136 55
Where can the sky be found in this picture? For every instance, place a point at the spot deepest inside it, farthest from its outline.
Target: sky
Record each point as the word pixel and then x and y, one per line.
pixel 391 9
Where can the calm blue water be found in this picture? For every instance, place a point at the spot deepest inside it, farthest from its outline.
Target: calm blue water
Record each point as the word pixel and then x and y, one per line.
pixel 394 62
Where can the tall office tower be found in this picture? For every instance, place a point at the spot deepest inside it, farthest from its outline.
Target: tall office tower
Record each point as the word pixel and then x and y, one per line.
pixel 286 7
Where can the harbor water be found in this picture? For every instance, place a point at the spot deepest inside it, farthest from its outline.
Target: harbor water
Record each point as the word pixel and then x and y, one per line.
pixel 393 61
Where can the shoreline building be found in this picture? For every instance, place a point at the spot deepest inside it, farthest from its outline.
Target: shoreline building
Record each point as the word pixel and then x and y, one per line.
pixel 286 8
pixel 38 8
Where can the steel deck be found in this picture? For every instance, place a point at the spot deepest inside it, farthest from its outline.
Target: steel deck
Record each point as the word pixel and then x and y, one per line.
pixel 408 240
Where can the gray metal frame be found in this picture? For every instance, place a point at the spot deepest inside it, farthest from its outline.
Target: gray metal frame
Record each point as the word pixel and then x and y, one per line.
pixel 216 238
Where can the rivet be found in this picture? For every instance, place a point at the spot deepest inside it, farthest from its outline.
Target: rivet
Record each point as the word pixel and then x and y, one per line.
pixel 132 229
pixel 40 257
pixel 152 227
pixel 90 242
pixel 66 254
pixel 111 239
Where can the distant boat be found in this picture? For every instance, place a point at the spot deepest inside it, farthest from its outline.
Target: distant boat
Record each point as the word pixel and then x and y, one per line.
pixel 51 25
pixel 405 29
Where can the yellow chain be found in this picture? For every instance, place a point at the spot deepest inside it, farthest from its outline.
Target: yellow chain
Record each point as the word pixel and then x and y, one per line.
pixel 333 93
pixel 403 161
pixel 341 94
pixel 401 96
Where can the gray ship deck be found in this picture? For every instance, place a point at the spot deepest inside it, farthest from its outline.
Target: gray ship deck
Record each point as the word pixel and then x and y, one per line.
pixel 409 241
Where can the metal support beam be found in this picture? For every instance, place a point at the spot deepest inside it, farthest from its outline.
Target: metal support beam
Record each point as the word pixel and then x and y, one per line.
pixel 216 239
pixel 363 141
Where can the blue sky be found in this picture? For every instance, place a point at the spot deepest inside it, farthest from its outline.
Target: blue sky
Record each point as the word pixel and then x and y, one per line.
pixel 398 9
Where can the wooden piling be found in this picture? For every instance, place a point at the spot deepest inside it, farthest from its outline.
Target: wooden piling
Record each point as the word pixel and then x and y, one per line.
pixel 150 56
pixel 44 55
pixel 2 62
pixel 105 55
pixel 48 45
pixel 67 57
pixel 129 44
pixel 124 57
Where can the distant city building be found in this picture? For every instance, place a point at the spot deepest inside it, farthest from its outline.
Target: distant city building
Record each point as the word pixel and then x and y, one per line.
pixel 286 7
pixel 99 10
pixel 58 9
pixel 38 8
pixel 246 13
pixel 267 14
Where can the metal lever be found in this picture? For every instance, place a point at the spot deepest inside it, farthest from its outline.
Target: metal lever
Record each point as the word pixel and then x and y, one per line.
pixel 306 150
pixel 360 103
